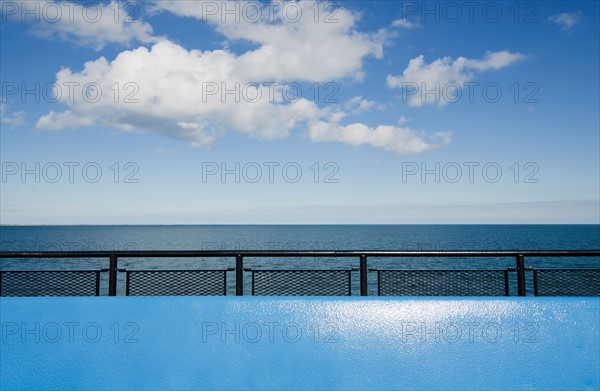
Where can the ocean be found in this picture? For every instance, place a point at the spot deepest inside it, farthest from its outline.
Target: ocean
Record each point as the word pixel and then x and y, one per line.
pixel 296 237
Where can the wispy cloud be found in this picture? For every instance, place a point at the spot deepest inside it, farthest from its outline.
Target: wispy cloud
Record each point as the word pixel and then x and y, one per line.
pixel 421 76
pixel 12 119
pixel 94 24
pixel 359 105
pixel 401 140
pixel 405 24
pixel 567 20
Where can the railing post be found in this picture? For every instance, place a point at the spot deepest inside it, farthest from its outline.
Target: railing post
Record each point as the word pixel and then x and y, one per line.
pixel 112 276
pixel 239 275
pixel 363 275
pixel 521 275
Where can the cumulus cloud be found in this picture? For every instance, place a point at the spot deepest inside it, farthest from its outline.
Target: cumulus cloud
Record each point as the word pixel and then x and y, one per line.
pixel 175 91
pixel 435 76
pixel 290 47
pixel 199 95
pixel 173 99
pixel 93 24
pixel 567 20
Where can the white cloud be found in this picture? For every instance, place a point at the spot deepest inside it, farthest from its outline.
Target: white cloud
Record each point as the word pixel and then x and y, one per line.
pixel 93 24
pixel 567 20
pixel 359 105
pixel 169 91
pixel 405 24
pixel 180 93
pixel 67 119
pixel 401 140
pixel 492 61
pixel 289 49
pixel 17 119
pixel 437 75
pixel 402 120
pixel 14 119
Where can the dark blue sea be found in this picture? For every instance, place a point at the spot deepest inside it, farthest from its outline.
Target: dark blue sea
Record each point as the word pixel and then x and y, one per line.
pixel 296 237
pixel 300 237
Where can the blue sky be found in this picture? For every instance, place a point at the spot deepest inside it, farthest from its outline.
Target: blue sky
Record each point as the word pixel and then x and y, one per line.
pixel 351 112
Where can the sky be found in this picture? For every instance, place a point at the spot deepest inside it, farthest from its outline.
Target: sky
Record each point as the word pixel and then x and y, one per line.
pixel 284 112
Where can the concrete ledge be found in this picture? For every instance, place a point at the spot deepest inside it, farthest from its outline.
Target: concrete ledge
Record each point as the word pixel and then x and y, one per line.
pixel 252 343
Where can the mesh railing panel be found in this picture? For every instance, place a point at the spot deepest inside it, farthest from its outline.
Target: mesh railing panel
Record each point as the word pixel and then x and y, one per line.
pixel 176 283
pixel 566 282
pixel 49 283
pixel 301 282
pixel 443 282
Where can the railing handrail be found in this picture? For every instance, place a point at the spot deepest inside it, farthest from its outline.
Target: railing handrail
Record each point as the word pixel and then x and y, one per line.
pixel 239 256
pixel 295 253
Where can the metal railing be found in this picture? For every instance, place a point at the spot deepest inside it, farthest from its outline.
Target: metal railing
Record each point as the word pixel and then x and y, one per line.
pixel 271 281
